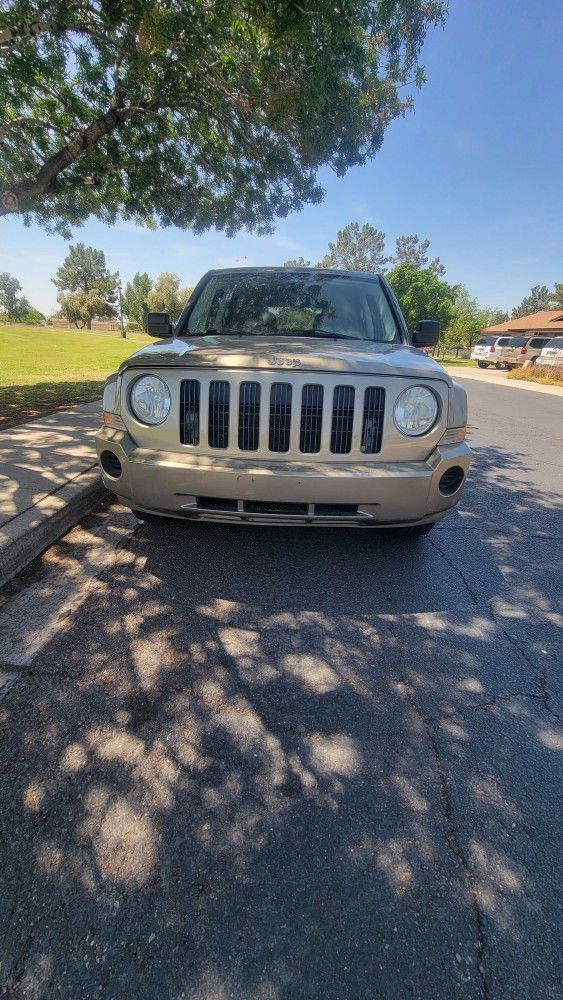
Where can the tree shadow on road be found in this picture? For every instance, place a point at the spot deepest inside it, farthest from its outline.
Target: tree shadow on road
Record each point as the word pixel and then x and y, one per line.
pixel 284 764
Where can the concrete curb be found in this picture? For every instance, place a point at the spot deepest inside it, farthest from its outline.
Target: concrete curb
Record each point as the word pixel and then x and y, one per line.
pixel 31 532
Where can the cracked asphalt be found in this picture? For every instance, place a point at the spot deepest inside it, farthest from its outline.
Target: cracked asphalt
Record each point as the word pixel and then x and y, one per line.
pixel 275 764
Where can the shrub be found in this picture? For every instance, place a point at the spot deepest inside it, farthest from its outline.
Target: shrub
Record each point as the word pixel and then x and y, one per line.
pixel 545 374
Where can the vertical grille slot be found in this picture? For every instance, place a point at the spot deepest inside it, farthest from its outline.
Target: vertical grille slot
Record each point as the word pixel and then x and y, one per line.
pixel 342 420
pixel 249 416
pixel 189 412
pixel 219 407
pixel 311 419
pixel 280 416
pixel 372 426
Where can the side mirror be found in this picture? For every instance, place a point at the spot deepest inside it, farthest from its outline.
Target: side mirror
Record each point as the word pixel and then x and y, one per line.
pixel 159 325
pixel 427 333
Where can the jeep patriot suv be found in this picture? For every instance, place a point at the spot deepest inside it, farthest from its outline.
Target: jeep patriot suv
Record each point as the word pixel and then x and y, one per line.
pixel 287 396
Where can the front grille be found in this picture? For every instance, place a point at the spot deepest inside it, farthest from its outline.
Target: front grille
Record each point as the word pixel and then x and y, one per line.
pixel 216 503
pixel 219 409
pixel 311 419
pixel 266 507
pixel 249 416
pixel 342 420
pixel 299 418
pixel 280 417
pixel 372 424
pixel 224 505
pixel 336 509
pixel 189 410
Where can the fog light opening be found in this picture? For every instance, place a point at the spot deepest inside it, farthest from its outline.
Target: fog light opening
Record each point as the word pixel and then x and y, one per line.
pixel 110 464
pixel 451 481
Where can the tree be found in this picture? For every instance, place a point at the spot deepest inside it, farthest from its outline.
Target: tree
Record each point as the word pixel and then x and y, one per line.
pixel 196 114
pixel 87 288
pixel 135 299
pixel 32 316
pixel 12 303
pixel 412 250
pixel 81 307
pixel 167 296
pixel 298 262
pixel 422 295
pixel 468 319
pixel 356 249
pixel 557 296
pixel 538 299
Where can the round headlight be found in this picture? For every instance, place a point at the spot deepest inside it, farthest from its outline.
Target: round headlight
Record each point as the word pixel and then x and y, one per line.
pixel 150 400
pixel 416 410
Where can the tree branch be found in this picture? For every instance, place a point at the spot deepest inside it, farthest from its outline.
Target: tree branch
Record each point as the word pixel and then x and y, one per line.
pixel 45 180
pixel 10 38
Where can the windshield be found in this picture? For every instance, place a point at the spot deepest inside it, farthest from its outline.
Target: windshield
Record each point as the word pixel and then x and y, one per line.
pixel 292 304
pixel 517 341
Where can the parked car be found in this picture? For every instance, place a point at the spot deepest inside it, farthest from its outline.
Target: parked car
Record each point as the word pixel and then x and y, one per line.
pixel 287 397
pixel 485 351
pixel 552 353
pixel 521 349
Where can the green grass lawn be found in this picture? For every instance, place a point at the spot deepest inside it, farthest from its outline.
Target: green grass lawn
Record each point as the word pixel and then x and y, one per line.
pixel 42 370
pixel 457 362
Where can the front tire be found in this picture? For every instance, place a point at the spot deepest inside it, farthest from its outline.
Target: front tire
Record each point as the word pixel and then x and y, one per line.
pixel 415 531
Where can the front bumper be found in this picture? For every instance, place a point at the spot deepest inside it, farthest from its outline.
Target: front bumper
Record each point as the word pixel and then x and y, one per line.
pixel 188 486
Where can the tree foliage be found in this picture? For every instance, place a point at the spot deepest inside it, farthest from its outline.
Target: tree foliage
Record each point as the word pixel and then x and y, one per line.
pixel 298 262
pixel 82 307
pixel 167 296
pixel 12 304
pixel 196 113
pixel 557 296
pixel 468 319
pixel 32 316
pixel 357 249
pixel 362 248
pixel 412 250
pixel 539 298
pixel 86 287
pixel 135 299
pixel 422 295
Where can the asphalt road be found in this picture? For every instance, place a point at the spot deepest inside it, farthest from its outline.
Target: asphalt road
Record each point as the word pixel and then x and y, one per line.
pixel 276 764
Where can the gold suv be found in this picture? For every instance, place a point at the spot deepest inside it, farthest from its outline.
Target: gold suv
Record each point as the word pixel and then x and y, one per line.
pixel 287 396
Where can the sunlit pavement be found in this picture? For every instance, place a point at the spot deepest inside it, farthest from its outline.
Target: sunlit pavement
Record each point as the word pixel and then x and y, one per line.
pixel 273 763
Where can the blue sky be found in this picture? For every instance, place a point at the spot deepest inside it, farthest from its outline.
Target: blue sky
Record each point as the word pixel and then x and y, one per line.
pixel 477 168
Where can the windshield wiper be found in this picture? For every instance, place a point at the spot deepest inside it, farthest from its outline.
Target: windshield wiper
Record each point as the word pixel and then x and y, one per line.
pixel 329 336
pixel 272 333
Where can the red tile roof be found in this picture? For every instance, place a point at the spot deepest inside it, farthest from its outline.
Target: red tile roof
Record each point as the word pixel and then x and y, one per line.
pixel 547 321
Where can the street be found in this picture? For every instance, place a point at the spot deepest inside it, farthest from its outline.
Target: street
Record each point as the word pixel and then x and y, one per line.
pixel 284 764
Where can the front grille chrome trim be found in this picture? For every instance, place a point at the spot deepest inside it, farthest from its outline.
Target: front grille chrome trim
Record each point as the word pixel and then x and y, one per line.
pixel 289 417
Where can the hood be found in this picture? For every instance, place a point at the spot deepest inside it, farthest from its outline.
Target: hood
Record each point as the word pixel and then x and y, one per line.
pixel 359 357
